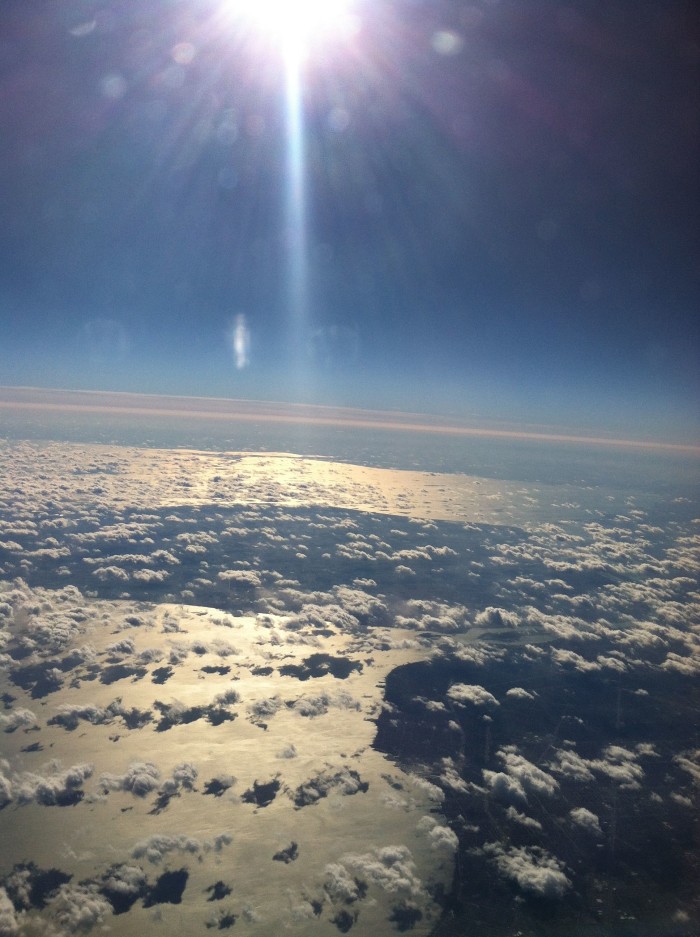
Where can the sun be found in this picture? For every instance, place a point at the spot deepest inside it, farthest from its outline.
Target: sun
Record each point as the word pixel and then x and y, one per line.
pixel 294 24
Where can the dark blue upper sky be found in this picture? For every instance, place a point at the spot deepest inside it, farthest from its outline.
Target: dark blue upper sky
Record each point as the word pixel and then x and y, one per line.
pixel 500 207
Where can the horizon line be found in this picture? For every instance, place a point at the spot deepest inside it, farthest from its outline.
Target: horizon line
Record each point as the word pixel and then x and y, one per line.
pixel 352 417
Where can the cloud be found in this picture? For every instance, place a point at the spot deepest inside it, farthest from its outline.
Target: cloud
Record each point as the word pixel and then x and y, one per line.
pixel 140 778
pixel 504 787
pixel 312 706
pixel 441 838
pixel 570 764
pixel 79 907
pixel 155 848
pixel 18 718
pixel 122 886
pixel 57 787
pixel 533 869
pixel 346 781
pixel 461 693
pixel 390 868
pixel 9 925
pixel 690 762
pixel 620 765
pixel 586 819
pixel 492 617
pixel 262 710
pixel 533 779
pixel 341 886
pixel 523 819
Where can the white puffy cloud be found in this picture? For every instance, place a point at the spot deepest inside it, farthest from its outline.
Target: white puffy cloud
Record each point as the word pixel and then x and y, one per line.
pixel 504 787
pixel 620 765
pixel 492 617
pixel 690 762
pixel 79 907
pixel 390 868
pixel 533 869
pixel 441 838
pixel 55 787
pixel 156 847
pixel 523 819
pixel 140 778
pixel 318 705
pixel 517 692
pixel 586 819
pixel 533 779
pixel 18 718
pixel 571 765
pixel 471 693
pixel 9 925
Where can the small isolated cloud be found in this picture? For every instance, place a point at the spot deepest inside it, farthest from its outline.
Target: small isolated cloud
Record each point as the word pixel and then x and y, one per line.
pixel 18 718
pixel 346 781
pixel 441 838
pixel 461 693
pixel 523 819
pixel 262 710
pixel 533 869
pixel 517 692
pixel 586 820
pixel 312 706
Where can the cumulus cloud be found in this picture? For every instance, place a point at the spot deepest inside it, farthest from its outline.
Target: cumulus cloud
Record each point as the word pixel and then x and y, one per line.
pixel 492 617
pixel 533 779
pixel 517 692
pixel 140 778
pixel 571 765
pixel 533 869
pixel 586 819
pixel 57 787
pixel 18 718
pixel 504 787
pixel 345 781
pixel 390 868
pixel 79 907
pixel 312 706
pixel 461 693
pixel 155 848
pixel 441 838
pixel 9 925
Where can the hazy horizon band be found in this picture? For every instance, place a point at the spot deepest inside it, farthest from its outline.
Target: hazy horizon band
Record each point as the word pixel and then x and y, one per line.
pixel 259 411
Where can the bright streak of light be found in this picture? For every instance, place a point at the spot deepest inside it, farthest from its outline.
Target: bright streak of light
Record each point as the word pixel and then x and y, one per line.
pixel 297 247
pixel 294 27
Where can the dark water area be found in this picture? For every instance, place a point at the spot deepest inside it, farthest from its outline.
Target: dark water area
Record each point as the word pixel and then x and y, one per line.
pixel 645 855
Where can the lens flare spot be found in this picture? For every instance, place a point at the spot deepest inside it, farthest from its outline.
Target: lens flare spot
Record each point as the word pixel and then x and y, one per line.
pixel 446 42
pixel 183 53
pixel 241 342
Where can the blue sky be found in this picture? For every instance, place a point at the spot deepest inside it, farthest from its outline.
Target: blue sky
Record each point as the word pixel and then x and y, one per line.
pixel 499 207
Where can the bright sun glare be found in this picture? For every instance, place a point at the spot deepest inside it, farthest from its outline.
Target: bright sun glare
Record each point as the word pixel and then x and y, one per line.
pixel 294 24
